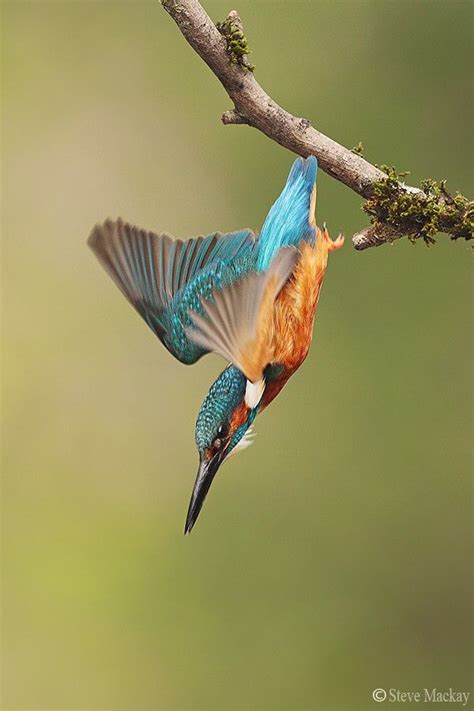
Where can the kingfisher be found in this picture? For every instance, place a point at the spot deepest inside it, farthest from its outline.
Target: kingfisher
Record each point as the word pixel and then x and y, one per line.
pixel 248 297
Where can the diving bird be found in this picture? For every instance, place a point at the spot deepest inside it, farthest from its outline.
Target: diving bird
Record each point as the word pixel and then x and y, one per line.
pixel 250 298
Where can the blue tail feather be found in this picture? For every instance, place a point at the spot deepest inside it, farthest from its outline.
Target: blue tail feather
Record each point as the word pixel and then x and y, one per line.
pixel 289 219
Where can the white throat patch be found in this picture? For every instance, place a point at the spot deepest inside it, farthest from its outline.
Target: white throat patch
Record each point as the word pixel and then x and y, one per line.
pixel 254 392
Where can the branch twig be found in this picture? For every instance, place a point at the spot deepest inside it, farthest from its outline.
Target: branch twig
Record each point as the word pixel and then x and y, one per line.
pixel 254 107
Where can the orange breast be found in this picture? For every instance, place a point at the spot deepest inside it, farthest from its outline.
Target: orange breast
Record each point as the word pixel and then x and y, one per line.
pixel 296 305
pixel 295 309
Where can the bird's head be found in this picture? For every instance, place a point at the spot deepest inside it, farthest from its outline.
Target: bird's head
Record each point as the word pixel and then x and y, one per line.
pixel 223 426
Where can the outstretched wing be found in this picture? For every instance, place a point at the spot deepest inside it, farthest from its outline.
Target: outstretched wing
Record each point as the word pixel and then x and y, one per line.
pixel 238 322
pixel 153 270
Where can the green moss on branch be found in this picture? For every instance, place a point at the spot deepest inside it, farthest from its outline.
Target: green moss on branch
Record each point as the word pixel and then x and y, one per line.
pixel 420 213
pixel 358 149
pixel 237 44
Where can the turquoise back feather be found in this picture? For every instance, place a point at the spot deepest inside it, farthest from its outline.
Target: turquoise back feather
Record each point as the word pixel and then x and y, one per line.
pixel 288 221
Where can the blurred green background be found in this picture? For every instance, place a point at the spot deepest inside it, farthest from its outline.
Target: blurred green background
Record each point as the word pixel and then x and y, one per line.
pixel 332 557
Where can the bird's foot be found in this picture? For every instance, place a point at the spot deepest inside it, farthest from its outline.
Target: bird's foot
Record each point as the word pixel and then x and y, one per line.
pixel 332 245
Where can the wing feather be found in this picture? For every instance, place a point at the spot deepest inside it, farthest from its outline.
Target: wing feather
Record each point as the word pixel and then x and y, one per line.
pixel 238 322
pixel 151 270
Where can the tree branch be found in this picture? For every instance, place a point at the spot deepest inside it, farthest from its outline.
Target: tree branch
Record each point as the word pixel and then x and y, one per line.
pixel 412 211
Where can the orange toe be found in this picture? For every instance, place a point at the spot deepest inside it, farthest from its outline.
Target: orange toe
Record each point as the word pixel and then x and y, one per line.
pixel 337 243
pixel 331 245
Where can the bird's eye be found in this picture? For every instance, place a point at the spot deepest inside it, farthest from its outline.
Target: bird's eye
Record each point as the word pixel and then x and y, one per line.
pixel 223 430
pixel 221 435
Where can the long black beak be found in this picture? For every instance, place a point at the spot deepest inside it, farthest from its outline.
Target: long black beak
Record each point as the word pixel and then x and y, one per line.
pixel 206 473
